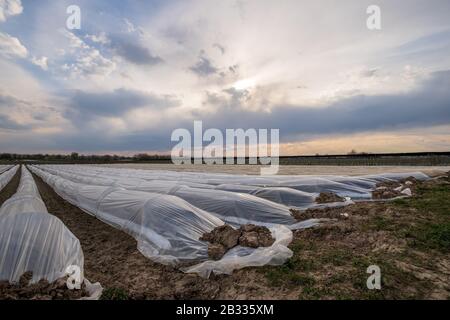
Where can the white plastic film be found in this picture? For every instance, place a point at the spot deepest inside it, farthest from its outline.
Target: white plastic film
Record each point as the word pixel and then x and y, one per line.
pixel 33 240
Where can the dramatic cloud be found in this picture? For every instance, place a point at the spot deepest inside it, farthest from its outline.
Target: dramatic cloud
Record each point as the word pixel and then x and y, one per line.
pixel 87 61
pixel 11 47
pixel 7 123
pixel 204 67
pixel 41 62
pixel 134 52
pixel 363 115
pixel 427 106
pixel 231 64
pixel 15 114
pixel 9 8
pixel 85 105
pixel 219 47
pixel 100 38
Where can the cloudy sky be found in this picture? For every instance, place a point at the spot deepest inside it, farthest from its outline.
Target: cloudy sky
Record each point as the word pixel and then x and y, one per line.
pixel 137 70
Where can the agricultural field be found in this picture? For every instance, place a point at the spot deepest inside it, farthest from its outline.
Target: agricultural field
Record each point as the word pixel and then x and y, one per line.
pixel 134 231
pixel 286 169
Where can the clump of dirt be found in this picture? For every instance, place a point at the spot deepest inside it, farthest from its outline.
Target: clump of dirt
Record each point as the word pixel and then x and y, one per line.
pixel 328 197
pixel 255 236
pixel 392 189
pixel 445 177
pixel 223 238
pixel 216 251
pixel 385 193
pixel 318 213
pixel 224 235
pixel 42 290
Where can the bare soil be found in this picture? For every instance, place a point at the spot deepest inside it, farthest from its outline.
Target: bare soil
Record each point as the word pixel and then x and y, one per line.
pixel 286 169
pixel 329 197
pixel 223 238
pixel 42 290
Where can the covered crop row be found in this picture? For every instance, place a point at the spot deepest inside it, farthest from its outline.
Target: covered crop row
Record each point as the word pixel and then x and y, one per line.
pixel 4 168
pixel 33 240
pixel 295 191
pixel 167 228
pixel 233 208
pixel 7 174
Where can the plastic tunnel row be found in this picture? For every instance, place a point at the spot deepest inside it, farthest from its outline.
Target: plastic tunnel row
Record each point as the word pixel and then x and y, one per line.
pixel 168 215
pixel 166 212
pixel 6 174
pixel 233 208
pixel 166 227
pixel 33 240
pixel 294 191
pixel 4 168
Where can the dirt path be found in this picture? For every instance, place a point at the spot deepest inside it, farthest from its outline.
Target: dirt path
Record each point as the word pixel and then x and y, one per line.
pixel 10 188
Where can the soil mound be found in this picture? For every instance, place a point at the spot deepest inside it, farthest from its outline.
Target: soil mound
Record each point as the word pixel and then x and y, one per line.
pixel 328 197
pixel 42 290
pixel 223 238
pixel 392 189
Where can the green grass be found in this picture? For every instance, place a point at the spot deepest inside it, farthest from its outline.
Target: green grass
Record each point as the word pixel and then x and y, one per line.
pixel 336 257
pixel 434 231
pixel 423 221
pixel 114 294
pixel 379 223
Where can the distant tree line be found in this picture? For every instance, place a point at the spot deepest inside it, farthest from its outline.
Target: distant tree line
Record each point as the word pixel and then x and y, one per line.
pixel 351 158
pixel 74 156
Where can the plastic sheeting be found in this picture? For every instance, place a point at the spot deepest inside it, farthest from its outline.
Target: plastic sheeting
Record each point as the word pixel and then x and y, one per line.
pixel 166 227
pixel 233 208
pixel 280 195
pixel 274 255
pixel 4 168
pixel 167 212
pixel 33 240
pixel 294 191
pixel 6 175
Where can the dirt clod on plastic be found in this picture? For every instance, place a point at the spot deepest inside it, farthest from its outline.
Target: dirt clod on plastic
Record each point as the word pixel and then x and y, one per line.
pixel 41 290
pixel 393 189
pixel 329 197
pixel 224 235
pixel 255 236
pixel 223 238
pixel 216 251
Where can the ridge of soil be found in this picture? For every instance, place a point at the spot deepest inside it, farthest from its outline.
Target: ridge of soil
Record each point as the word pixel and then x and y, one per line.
pixel 41 290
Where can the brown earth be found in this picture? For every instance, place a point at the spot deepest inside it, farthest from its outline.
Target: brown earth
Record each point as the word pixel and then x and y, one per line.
pixel 329 197
pixel 329 260
pixel 42 290
pixel 386 190
pixel 223 238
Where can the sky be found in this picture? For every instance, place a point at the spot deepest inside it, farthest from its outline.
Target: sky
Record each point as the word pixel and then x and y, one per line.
pixel 137 70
